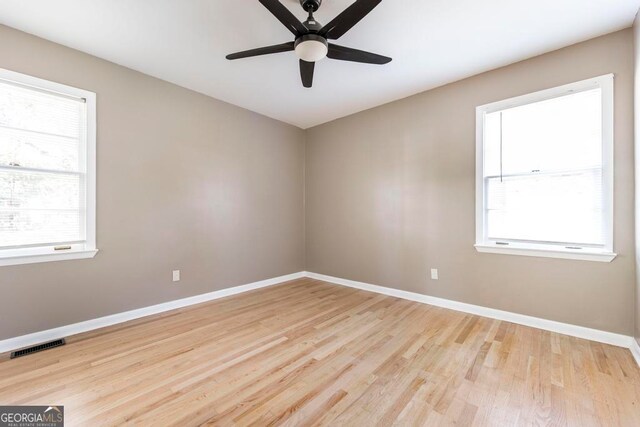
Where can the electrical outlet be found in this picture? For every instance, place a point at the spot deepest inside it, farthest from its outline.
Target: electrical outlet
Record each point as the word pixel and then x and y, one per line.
pixel 434 274
pixel 176 275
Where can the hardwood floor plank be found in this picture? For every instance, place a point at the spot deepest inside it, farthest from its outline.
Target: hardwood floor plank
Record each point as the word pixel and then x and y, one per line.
pixel 311 353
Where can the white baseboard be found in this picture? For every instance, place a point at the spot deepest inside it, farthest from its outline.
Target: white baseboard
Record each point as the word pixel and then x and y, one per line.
pixel 89 325
pixel 521 319
pixel 635 350
pixel 549 325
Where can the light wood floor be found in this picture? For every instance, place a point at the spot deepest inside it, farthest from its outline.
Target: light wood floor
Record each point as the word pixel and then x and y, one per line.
pixel 307 353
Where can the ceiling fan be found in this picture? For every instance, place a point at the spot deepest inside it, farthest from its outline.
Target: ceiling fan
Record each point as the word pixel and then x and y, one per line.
pixel 311 38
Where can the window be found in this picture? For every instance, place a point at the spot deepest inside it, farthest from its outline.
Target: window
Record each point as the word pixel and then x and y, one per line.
pixel 47 171
pixel 545 173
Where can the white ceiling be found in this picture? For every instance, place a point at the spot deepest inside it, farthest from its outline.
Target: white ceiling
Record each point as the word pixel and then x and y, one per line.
pixel 432 42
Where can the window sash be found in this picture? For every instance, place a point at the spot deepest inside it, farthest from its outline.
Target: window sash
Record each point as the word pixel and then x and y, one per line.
pixel 56 213
pixel 591 177
pixel 83 247
pixel 538 247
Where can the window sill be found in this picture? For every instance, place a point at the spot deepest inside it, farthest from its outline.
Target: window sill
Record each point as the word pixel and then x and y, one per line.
pixel 583 255
pixel 44 255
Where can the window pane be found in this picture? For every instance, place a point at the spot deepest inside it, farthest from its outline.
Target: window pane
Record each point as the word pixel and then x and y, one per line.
pixel 563 133
pixel 33 227
pixel 37 207
pixel 33 110
pixel 561 207
pixel 34 150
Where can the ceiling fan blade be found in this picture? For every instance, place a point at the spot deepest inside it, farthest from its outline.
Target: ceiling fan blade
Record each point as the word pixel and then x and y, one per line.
pixel 285 16
pixel 354 55
pixel 348 18
pixel 284 47
pixel 306 72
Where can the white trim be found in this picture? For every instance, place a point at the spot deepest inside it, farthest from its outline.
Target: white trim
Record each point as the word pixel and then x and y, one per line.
pixel 521 319
pixel 88 248
pixel 548 325
pixel 548 253
pixel 91 172
pixel 608 144
pixel 43 85
pixel 34 257
pixel 483 244
pixel 101 322
pixel 635 351
pixel 554 92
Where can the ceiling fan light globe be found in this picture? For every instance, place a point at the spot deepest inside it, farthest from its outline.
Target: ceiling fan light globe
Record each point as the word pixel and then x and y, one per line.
pixel 311 48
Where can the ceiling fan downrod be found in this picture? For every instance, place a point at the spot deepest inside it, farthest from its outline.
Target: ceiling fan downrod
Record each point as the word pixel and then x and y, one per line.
pixel 311 6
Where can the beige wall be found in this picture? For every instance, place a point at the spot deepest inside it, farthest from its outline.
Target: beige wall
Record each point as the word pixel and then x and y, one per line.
pixel 636 39
pixel 187 182
pixel 184 182
pixel 390 194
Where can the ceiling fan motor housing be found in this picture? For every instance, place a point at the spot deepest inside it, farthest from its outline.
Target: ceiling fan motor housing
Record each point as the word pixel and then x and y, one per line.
pixel 310 5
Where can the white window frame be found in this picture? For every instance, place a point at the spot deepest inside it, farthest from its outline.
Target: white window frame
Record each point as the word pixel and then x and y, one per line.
pixel 87 249
pixel 486 245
